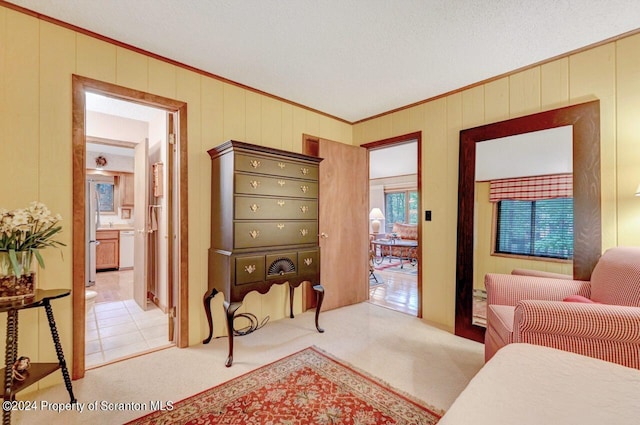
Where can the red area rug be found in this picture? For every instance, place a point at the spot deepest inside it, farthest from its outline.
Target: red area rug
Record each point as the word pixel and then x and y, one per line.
pixel 308 387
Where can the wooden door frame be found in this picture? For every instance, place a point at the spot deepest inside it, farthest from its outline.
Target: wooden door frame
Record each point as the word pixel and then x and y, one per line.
pixel 399 140
pixel 310 146
pixel 81 85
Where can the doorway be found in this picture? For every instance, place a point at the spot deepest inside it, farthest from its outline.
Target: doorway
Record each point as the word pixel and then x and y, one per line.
pixel 395 248
pixel 126 296
pixel 149 202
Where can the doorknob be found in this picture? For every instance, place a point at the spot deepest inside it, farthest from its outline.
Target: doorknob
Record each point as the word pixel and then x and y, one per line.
pixel 323 235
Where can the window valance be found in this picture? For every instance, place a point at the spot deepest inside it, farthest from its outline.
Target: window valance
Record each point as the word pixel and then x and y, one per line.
pixel 532 188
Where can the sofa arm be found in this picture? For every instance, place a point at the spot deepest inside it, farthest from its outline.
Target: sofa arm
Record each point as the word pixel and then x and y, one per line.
pixel 507 289
pixel 607 332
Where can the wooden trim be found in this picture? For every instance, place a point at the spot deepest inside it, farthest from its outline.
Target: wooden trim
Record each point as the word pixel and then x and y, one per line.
pixel 160 58
pixel 79 237
pixel 585 118
pixel 506 74
pixel 183 232
pixel 254 90
pixel 80 85
pixel 310 147
pixel 400 140
pixel 110 142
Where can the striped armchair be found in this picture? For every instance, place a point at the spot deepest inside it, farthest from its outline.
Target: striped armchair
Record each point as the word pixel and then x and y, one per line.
pixel 598 318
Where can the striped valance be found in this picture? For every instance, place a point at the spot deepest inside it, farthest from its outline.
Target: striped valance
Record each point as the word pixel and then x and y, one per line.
pixel 532 188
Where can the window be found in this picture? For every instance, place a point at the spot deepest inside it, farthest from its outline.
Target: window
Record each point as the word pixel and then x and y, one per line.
pixel 105 197
pixel 540 228
pixel 400 207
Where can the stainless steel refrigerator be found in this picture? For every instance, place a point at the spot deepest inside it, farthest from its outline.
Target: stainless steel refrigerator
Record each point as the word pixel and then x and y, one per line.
pixel 92 221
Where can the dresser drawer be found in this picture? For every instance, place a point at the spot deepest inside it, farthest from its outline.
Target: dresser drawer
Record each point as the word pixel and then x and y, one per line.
pixel 249 269
pixel 281 264
pixel 275 167
pixel 274 186
pixel 308 262
pixel 259 208
pixel 274 233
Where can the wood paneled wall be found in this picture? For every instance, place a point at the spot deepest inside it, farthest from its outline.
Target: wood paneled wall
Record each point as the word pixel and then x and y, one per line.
pixel 609 72
pixel 37 60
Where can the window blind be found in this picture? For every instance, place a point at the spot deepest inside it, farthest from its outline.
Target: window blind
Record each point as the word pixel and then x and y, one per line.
pixel 532 188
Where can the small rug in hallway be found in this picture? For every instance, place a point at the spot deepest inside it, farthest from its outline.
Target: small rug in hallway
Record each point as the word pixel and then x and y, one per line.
pixel 308 387
pixel 406 269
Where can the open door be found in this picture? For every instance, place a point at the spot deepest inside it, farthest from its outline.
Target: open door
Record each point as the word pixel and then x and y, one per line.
pixel 343 221
pixel 141 224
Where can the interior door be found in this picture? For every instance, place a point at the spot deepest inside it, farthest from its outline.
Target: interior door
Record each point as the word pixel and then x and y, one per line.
pixel 141 224
pixel 343 221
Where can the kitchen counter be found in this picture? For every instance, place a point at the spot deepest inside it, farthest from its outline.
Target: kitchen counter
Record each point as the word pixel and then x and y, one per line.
pixel 117 227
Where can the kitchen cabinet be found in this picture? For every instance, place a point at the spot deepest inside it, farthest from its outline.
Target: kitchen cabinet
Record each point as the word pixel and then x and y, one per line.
pixel 107 249
pixel 126 189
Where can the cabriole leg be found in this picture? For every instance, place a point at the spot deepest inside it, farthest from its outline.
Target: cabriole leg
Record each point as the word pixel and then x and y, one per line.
pixel 231 309
pixel 206 300
pixel 319 297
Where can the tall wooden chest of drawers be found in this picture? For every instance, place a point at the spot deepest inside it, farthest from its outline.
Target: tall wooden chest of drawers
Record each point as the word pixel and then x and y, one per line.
pixel 264 226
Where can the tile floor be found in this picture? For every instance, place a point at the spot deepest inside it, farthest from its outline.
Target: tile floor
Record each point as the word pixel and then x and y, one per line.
pixel 117 327
pixel 121 329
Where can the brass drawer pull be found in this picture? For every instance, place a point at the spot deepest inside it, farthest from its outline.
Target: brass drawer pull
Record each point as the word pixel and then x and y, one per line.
pixel 250 269
pixel 304 209
pixel 281 183
pixel 304 189
pixel 254 233
pixel 304 171
pixel 281 165
pixel 254 183
pixel 254 207
pixel 280 226
pixel 254 163
pixel 304 232
pixel 281 203
pixel 308 261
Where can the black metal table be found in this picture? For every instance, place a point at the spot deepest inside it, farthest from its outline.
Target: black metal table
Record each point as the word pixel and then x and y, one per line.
pixel 37 371
pixel 406 247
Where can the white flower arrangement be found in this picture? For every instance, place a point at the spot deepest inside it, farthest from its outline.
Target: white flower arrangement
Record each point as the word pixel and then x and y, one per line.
pixel 27 230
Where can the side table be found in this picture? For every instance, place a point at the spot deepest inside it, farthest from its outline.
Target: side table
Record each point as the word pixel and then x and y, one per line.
pixel 37 371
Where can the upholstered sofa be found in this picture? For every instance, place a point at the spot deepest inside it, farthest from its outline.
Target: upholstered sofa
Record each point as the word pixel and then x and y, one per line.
pixel 403 232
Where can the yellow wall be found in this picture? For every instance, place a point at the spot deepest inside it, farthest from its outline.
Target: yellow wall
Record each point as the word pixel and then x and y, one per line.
pixel 37 60
pixel 610 72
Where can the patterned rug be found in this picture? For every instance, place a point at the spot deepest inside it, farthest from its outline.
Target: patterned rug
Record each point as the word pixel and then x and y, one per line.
pixel 308 387
pixel 406 269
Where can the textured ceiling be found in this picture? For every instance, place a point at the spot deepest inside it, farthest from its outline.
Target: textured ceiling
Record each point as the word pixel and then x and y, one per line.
pixel 351 58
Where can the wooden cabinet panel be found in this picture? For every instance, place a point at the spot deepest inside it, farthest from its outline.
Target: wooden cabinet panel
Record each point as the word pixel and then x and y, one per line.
pixel 273 186
pixel 108 249
pixel 126 189
pixel 275 208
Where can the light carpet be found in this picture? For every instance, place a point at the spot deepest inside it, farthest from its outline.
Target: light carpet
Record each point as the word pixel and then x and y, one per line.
pixel 429 363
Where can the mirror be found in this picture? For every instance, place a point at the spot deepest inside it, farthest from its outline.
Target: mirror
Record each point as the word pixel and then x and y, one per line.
pixel 584 120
